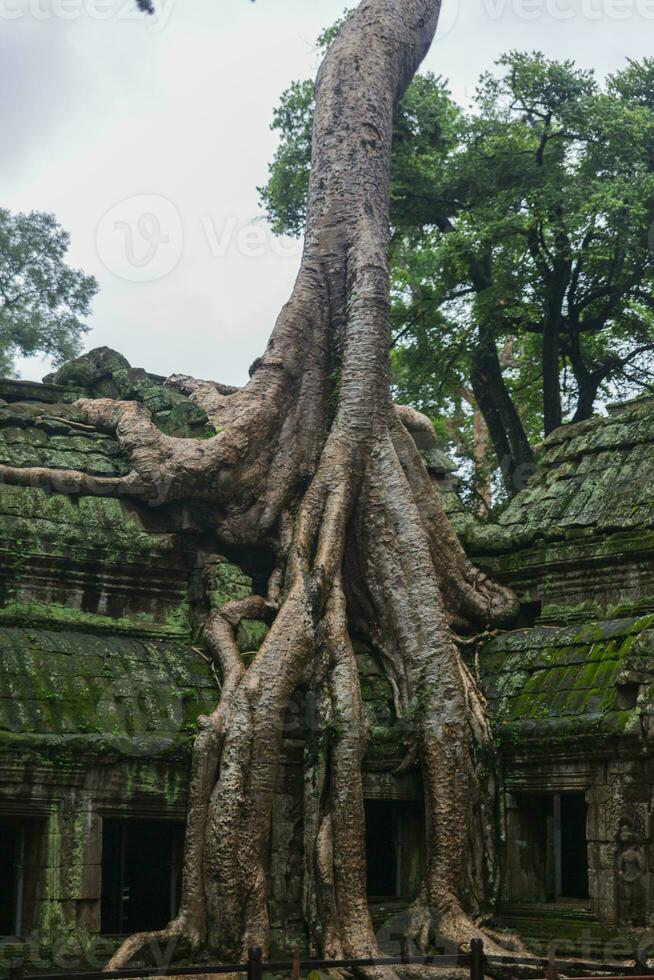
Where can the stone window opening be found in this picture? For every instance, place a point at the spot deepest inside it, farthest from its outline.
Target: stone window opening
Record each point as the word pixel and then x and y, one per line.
pixel 627 695
pixel 547 852
pixel 394 849
pixel 529 613
pixel 141 874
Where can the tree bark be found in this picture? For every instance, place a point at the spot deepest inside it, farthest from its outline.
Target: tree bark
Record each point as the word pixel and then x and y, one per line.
pixel 512 449
pixel 480 455
pixel 514 454
pixel 552 414
pixel 587 387
pixel 588 382
pixel 313 460
pixel 557 280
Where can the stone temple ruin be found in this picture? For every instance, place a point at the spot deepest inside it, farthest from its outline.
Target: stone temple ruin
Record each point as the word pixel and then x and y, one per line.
pixel 102 677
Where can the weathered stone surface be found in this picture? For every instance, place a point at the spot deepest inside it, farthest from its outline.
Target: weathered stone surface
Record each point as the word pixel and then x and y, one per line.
pixel 103 674
pixel 64 691
pixel 571 698
pixel 579 540
pixel 558 684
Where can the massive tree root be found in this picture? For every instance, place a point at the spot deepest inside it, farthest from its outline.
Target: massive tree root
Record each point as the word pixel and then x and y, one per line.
pixel 312 459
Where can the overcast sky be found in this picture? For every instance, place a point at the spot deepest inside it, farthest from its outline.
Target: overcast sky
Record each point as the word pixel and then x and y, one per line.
pixel 147 137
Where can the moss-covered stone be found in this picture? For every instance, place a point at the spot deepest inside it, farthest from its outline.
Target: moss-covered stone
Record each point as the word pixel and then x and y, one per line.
pixel 554 684
pixel 250 635
pixel 63 691
pixel 228 582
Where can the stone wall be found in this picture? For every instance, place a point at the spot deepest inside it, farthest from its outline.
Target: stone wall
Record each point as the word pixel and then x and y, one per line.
pixel 578 542
pixel 62 805
pixel 103 674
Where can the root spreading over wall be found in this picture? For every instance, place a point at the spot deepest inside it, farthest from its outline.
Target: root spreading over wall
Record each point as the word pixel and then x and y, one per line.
pixel 312 459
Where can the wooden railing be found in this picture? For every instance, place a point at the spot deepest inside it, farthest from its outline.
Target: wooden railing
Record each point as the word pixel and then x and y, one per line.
pixel 478 964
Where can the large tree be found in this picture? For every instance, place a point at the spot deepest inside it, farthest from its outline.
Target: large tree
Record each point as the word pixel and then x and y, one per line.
pixel 313 460
pixel 521 266
pixel 42 299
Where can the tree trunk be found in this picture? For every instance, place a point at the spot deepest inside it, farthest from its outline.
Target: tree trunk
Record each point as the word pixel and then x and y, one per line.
pixel 586 396
pixel 588 382
pixel 483 483
pixel 514 454
pixel 313 460
pixel 557 284
pixel 552 416
pixel 510 443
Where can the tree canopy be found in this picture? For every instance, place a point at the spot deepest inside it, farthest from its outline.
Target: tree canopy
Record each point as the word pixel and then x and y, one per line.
pixel 521 261
pixel 42 300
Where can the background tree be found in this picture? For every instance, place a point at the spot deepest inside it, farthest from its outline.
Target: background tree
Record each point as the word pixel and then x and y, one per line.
pixel 521 262
pixel 312 461
pixel 42 300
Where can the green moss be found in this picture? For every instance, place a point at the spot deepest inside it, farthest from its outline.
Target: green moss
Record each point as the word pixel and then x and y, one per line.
pixel 387 741
pixel 561 612
pixel 57 524
pixel 66 692
pixel 555 684
pixel 178 619
pixel 250 635
pixel 176 624
pixel 229 582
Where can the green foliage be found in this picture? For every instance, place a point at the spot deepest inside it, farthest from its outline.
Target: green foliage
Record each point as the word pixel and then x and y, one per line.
pixel 284 196
pixel 529 213
pixel 330 33
pixel 42 300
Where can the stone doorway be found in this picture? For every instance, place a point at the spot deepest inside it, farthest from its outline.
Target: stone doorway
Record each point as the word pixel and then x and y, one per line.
pixel 20 867
pixel 12 850
pixel 394 848
pixel 141 874
pixel 570 815
pixel 547 849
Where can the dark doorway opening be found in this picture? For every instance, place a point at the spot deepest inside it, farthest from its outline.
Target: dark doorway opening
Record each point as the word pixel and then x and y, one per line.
pixel 394 848
pixel 381 849
pixel 141 874
pixel 547 848
pixel 574 846
pixel 12 849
